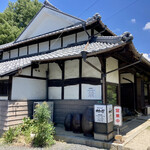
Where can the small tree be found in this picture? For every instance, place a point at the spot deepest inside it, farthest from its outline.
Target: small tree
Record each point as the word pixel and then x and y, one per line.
pixel 45 129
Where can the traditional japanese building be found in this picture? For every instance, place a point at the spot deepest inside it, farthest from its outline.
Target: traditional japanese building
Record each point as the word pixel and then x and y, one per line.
pixel 72 62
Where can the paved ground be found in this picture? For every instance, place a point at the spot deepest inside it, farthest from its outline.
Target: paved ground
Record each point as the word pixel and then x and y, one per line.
pixel 57 146
pixel 141 141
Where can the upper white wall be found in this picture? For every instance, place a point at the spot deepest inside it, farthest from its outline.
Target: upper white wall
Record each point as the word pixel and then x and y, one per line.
pixel 23 51
pixel 82 36
pixel 14 53
pixel 68 40
pixel 28 89
pixel 128 76
pixel 5 55
pixel 55 44
pixel 26 71
pixel 47 21
pixel 33 49
pixel 54 71
pixel 111 64
pixel 41 71
pixel 72 69
pixel 88 71
pixel 44 46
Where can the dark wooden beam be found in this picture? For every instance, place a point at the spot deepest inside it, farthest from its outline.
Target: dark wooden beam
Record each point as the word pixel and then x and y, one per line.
pixel 10 87
pixel 63 77
pixel 74 81
pixel 80 77
pixel 104 86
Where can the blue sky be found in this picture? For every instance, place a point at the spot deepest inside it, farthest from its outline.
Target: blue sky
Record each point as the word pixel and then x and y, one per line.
pixel 118 15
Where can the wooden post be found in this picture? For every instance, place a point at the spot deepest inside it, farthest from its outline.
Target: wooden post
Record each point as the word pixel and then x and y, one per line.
pixel 104 86
pixel 10 88
pixel 47 80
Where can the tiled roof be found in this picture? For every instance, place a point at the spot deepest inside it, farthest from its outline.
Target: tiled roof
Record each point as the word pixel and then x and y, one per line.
pixel 70 28
pixel 101 44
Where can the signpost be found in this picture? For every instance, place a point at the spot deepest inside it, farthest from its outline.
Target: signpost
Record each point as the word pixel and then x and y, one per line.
pixel 103 113
pixel 117 117
pixel 103 122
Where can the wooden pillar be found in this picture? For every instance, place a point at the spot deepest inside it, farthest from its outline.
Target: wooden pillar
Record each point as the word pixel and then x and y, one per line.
pixel 10 88
pixel 149 94
pixel 63 77
pixel 47 80
pixel 80 76
pixel 104 86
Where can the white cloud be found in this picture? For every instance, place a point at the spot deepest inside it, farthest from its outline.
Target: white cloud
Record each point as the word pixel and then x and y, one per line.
pixel 133 20
pixel 117 30
pixel 147 26
pixel 147 56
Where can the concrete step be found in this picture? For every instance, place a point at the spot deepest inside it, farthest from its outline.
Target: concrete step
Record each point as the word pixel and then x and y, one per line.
pixel 70 137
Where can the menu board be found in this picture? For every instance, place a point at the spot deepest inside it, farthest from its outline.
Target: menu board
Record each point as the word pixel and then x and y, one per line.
pixel 103 113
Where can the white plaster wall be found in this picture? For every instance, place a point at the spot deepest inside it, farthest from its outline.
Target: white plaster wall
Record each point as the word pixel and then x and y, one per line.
pixel 111 64
pixel 23 51
pixel 71 92
pixel 95 32
pixel 129 76
pixel 33 49
pixel 26 89
pixel 47 21
pixel 14 53
pixel 55 44
pixel 41 71
pixel 3 97
pixel 54 71
pixel 26 71
pixel 54 92
pixel 5 55
pixel 4 78
pixel 72 69
pixel 145 90
pixel 82 36
pixel 68 40
pixel 88 71
pixel 44 46
pixel 90 92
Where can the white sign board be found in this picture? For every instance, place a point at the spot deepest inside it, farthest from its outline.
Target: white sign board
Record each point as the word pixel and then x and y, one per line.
pixel 117 116
pixel 103 113
pixel 91 93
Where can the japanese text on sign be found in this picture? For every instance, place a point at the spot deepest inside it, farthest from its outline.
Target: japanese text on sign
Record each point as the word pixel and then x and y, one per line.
pixel 103 113
pixel 117 116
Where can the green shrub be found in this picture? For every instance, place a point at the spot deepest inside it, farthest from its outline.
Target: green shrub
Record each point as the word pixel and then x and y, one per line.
pixel 10 135
pixel 40 126
pixel 45 129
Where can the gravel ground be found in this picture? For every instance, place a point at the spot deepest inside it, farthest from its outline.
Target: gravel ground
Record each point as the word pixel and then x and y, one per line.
pixel 141 141
pixel 57 146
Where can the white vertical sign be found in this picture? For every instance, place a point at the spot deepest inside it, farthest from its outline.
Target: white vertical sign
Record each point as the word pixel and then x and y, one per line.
pixel 117 116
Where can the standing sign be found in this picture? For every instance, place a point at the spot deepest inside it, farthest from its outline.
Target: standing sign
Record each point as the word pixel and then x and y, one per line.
pixel 103 113
pixel 117 116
